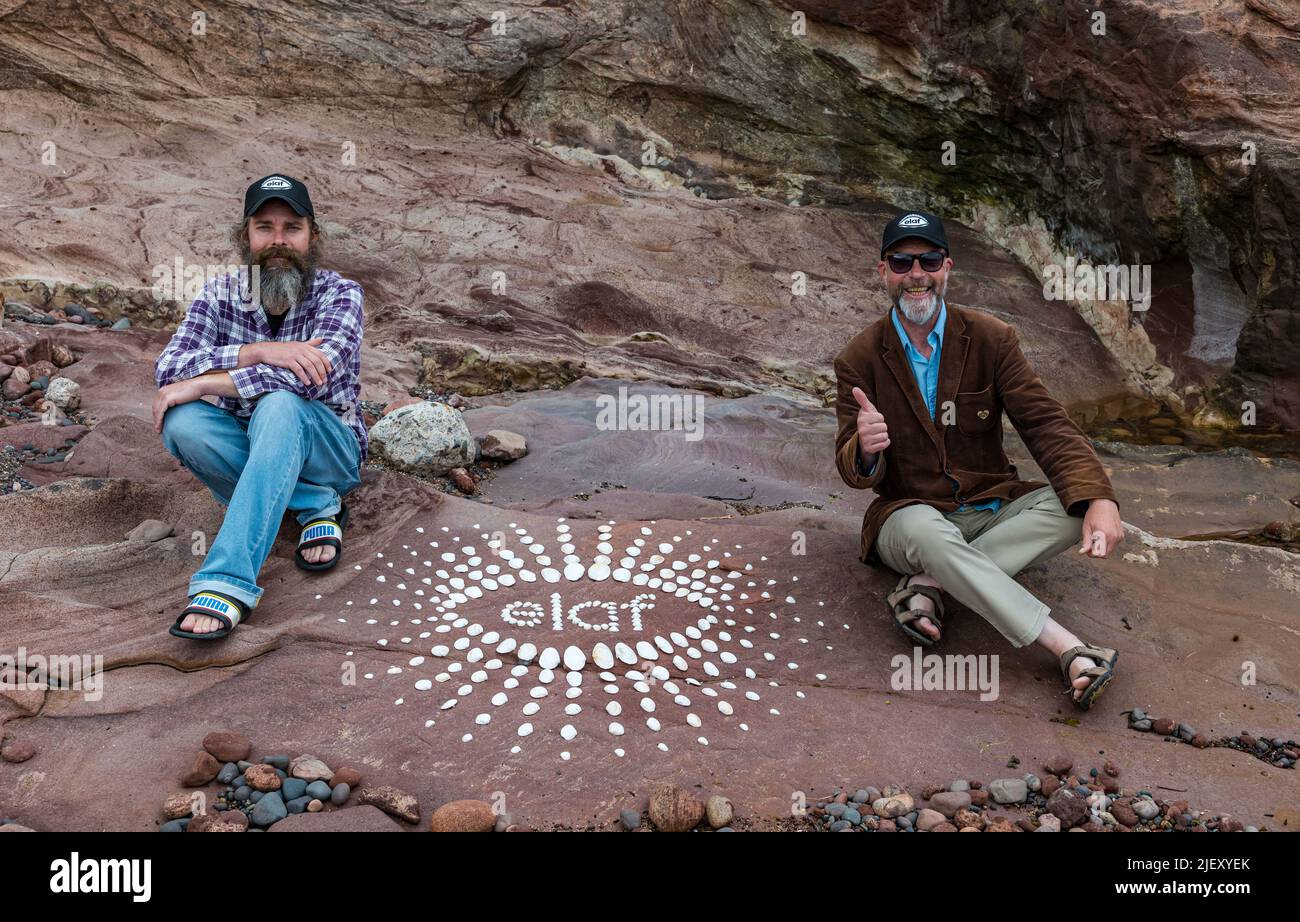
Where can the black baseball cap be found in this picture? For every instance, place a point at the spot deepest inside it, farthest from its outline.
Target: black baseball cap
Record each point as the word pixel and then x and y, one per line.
pixel 914 224
pixel 277 185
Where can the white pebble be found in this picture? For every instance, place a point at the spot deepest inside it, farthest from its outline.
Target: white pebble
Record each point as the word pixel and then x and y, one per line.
pixel 602 656
pixel 574 659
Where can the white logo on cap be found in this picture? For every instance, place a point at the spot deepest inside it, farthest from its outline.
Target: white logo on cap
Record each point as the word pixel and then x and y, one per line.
pixel 277 182
pixel 913 220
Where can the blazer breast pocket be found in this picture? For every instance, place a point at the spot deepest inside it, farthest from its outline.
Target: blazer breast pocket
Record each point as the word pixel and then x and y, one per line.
pixel 977 411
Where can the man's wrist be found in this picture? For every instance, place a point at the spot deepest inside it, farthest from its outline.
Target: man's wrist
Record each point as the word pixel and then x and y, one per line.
pixel 866 468
pixel 249 354
pixel 190 388
pixel 209 384
pixel 1083 506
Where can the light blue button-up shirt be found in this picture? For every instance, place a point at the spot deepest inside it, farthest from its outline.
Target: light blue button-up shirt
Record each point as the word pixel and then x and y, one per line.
pixel 926 372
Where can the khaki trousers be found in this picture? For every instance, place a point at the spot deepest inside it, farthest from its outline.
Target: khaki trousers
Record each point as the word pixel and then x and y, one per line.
pixel 974 555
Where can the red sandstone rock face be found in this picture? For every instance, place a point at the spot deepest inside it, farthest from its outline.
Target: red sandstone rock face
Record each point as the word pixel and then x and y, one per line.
pixel 1127 144
pixel 1139 133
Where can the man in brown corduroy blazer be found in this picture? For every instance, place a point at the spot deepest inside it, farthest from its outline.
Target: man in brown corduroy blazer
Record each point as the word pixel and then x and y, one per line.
pixel 921 394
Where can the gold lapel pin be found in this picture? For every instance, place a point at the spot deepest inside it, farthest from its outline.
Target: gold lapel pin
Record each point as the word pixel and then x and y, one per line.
pixel 983 414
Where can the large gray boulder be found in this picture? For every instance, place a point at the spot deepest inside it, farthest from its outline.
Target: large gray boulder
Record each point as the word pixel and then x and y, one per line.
pixel 423 438
pixel 64 393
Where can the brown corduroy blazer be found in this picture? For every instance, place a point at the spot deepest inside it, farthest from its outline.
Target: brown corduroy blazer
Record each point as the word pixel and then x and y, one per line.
pixel 982 373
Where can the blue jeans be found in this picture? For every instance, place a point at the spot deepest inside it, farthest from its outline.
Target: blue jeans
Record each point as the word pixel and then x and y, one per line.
pixel 290 454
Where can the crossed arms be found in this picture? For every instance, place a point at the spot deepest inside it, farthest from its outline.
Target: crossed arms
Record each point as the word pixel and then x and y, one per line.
pixel 193 365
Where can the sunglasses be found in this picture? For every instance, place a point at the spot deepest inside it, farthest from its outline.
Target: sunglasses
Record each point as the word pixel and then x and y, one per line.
pixel 902 262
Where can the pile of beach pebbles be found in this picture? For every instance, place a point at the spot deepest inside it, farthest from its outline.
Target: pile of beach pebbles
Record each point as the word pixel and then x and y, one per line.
pixel 1060 800
pixel 1280 751
pixel 674 809
pixel 255 795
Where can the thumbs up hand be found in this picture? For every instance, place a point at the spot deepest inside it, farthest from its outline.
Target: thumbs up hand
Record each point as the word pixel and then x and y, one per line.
pixel 873 434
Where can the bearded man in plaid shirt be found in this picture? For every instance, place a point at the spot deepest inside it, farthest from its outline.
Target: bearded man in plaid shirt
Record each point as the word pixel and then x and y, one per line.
pixel 284 358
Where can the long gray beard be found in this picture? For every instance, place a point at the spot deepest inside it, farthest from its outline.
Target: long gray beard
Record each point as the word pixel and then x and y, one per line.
pixel 282 289
pixel 279 290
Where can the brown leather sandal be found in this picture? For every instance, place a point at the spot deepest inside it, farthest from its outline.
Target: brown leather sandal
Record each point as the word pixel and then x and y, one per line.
pixel 905 617
pixel 1100 674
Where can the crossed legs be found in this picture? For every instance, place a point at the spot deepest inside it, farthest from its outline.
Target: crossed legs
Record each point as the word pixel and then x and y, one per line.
pixel 973 556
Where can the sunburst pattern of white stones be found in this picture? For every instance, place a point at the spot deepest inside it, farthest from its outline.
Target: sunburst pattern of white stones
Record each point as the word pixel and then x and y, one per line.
pixel 464 646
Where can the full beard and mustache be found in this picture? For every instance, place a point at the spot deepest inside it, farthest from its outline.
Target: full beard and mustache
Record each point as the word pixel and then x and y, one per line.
pixel 282 287
pixel 919 314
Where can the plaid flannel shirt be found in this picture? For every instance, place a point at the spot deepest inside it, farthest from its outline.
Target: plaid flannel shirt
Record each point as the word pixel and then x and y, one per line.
pixel 219 322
